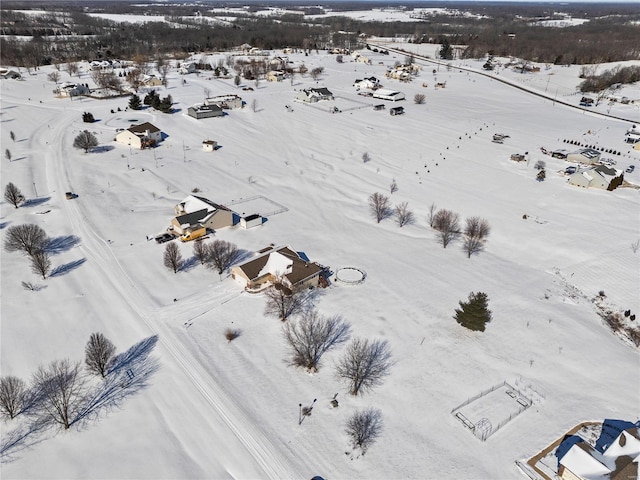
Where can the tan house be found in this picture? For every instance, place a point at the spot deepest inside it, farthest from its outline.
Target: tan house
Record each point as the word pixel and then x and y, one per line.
pixel 151 81
pixel 196 212
pixel 140 136
pixel 272 263
pixel 275 76
pixel 600 176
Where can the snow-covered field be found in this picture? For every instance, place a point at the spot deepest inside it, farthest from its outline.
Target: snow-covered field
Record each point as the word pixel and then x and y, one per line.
pixel 230 410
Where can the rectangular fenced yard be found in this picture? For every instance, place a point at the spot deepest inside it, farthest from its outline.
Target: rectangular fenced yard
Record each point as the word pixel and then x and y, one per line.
pixel 259 204
pixel 491 409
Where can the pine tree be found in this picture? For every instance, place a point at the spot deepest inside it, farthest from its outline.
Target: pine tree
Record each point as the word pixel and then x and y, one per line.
pixel 541 175
pixel 475 313
pixel 134 102
pixel 446 52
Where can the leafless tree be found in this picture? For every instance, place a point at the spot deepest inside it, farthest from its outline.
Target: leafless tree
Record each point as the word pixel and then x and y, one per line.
pixel 61 389
pixel 85 141
pixel 302 69
pixel 364 364
pixel 134 77
pixel 282 302
pixel 313 335
pixel 419 98
pixel 292 77
pixel 98 354
pixel 41 263
pixel 364 427
pixel 163 70
pixel 72 68
pixel 393 188
pixel 200 251
pixel 13 195
pixel 433 208
pixel 27 238
pixel 475 233
pixel 109 80
pixel 540 165
pixel 12 396
pixel 173 257
pixel 447 223
pixel 366 157
pixel 54 76
pixel 404 216
pixel 221 255
pixel 316 72
pixel 254 105
pixel 379 206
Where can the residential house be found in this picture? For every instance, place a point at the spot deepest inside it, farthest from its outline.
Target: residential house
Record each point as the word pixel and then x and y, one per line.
pixel 275 76
pixel 370 83
pixel 600 176
pixel 140 136
pixel 8 73
pixel 632 135
pixel 186 68
pixel 270 264
pixel 226 102
pixel 588 156
pixel 68 89
pixel 196 212
pixel 205 111
pixel 151 81
pixel 312 95
pixel 614 456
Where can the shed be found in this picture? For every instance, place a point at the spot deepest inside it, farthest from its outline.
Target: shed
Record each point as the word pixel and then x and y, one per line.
pixel 392 95
pixel 396 111
pixel 205 111
pixel 209 145
pixel 250 221
pixel 380 106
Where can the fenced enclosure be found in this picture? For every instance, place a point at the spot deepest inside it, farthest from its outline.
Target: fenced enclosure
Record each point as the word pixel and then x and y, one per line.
pixel 257 204
pixel 490 410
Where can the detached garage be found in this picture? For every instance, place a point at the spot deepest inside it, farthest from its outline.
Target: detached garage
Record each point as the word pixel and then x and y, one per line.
pixel 588 156
pixel 250 221
pixel 391 95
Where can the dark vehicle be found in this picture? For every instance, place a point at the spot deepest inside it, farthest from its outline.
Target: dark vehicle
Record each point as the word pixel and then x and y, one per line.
pixel 70 195
pixel 630 168
pixel 570 170
pixel 561 154
pixel 165 237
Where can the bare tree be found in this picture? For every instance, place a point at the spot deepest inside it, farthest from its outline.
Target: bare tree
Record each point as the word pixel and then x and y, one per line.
pixel 366 157
pixel 173 257
pixel 61 389
pixel 134 77
pixel 404 216
pixel 163 70
pixel 282 302
pixel 254 105
pixel 475 233
pixel 379 206
pixel 432 214
pixel 41 263
pixel 54 76
pixel 447 224
pixel 364 427
pixel 393 188
pixel 200 251
pixel 12 396
pixel 98 354
pixel 316 72
pixel 364 364
pixel 71 68
pixel 221 255
pixel 13 195
pixel 7 154
pixel 28 238
pixel 313 335
pixel 419 98
pixel 85 141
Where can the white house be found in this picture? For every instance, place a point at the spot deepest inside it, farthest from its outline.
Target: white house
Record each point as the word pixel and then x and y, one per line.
pixel 140 136
pixel 226 102
pixel 186 68
pixel 588 156
pixel 69 89
pixel 312 95
pixel 391 95
pixel 370 83
pixel 632 135
pixel 600 176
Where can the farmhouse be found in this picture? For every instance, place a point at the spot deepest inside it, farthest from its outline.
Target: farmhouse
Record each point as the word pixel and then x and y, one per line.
pixel 226 102
pixel 600 176
pixel 196 212
pixel 68 89
pixel 272 263
pixel 391 95
pixel 205 111
pixel 140 136
pixel 588 156
pixel 614 456
pixel 312 95
pixel 370 83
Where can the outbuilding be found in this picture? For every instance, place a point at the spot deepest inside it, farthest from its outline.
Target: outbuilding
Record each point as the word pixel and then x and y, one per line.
pixel 251 221
pixel 209 145
pixel 396 111
pixel 588 156
pixel 392 95
pixel 205 111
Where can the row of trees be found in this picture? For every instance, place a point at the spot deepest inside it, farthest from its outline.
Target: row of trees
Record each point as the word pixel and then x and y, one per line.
pixel 380 209
pixel 32 241
pixel 217 255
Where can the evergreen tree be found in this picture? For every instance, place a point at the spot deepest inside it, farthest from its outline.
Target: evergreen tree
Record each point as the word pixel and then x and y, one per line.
pixel 541 175
pixel 446 52
pixel 474 314
pixel 134 102
pixel 152 99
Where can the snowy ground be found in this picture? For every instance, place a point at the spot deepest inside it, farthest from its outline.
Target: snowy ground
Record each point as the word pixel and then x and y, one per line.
pixel 230 410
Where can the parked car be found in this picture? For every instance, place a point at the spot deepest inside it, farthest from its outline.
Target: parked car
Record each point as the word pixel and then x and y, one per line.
pixel 630 168
pixel 607 161
pixel 165 237
pixel 570 170
pixel 561 154
pixel 70 195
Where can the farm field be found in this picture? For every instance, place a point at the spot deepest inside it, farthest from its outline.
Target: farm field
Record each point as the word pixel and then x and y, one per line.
pixel 218 409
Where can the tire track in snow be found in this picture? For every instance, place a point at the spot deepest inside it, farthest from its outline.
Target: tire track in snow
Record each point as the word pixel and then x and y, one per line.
pixel 258 445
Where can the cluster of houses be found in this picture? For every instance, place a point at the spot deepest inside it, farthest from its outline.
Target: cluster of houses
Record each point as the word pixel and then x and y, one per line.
pixel 403 72
pixel 272 264
pixel 106 64
pixel 591 173
pixel 614 456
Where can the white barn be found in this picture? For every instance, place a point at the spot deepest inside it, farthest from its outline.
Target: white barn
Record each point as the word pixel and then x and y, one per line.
pixel 392 95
